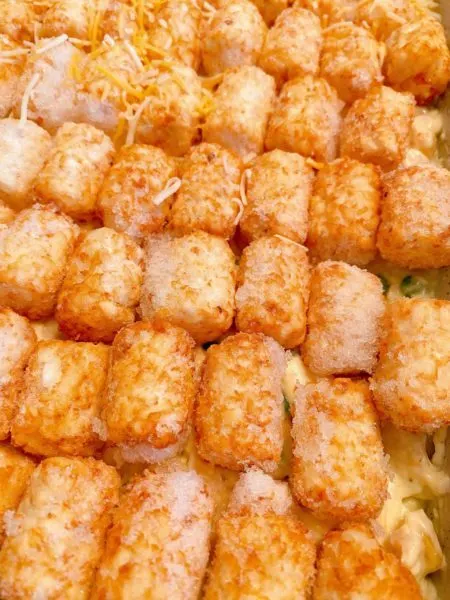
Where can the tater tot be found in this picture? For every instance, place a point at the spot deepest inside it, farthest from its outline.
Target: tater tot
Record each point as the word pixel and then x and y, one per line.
pixel 418 59
pixel 175 31
pixel 98 74
pixel 74 172
pixel 17 340
pixel 119 19
pixel 60 399
pixel 273 290
pixel 344 212
pixel 351 60
pixel 376 128
pixel 15 473
pixel 338 465
pixel 242 105
pixel 16 19
pixel 255 492
pixel 55 538
pixel 171 116
pixel 233 37
pixel 260 551
pixel 10 71
pixel 209 197
pixel 279 187
pixel 53 99
pixel 189 282
pixel 101 288
pixel 331 11
pixel 125 201
pixel 66 16
pixel 292 45
pixel 306 119
pixel 411 382
pixel 24 147
pixel 6 214
pixel 414 230
pixel 158 545
pixel 352 564
pixel 150 392
pixel 34 250
pixel 346 307
pixel 239 413
pixel 385 16
pixel 270 9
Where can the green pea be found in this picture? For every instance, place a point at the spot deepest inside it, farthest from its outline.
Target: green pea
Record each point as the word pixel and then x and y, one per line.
pixel 385 282
pixel 412 286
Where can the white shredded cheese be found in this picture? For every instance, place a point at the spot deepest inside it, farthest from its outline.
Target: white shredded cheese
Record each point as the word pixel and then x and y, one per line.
pixel 109 41
pixel 26 98
pixel 54 43
pixel 133 123
pixel 242 185
pixel 286 239
pixel 241 210
pixel 13 53
pixel 134 55
pixel 171 187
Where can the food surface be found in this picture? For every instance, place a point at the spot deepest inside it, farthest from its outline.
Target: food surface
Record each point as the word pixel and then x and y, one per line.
pixel 224 300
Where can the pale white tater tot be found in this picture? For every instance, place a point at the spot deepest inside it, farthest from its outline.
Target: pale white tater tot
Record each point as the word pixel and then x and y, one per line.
pixel 344 212
pixel 17 340
pixel 34 252
pixel 189 281
pixel 278 191
pixel 345 314
pixel 292 46
pixel 60 399
pixel 377 128
pixel 24 147
pixel 260 544
pixel 102 285
pixel 338 466
pixel 346 552
pixel 74 171
pixel 126 201
pixel 414 229
pixel 158 545
pixel 306 119
pixel 411 381
pixel 233 37
pixel 242 105
pixel 239 412
pixel 273 290
pixel 150 391
pixel 55 538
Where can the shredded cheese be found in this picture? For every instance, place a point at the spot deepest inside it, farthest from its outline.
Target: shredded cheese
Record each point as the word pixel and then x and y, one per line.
pixel 242 186
pixel 109 41
pixel 14 53
pixel 134 55
pixel 286 239
pixel 171 187
pixel 241 210
pixel 120 82
pixel 54 43
pixel 132 126
pixel 314 164
pixel 26 98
